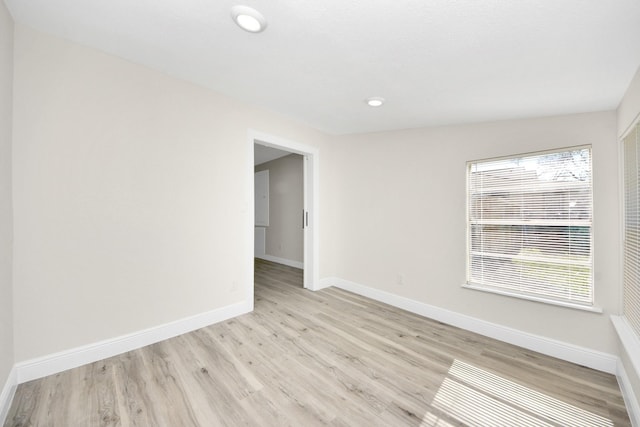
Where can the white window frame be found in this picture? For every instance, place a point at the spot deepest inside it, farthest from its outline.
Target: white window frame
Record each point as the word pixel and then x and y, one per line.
pixel 588 306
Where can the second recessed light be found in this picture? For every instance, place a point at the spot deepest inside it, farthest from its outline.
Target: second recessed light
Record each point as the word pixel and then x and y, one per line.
pixel 375 101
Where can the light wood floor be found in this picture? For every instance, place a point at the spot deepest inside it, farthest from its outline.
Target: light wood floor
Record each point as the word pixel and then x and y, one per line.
pixel 332 358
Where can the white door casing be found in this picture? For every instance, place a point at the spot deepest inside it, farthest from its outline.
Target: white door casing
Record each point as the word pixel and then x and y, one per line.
pixel 311 195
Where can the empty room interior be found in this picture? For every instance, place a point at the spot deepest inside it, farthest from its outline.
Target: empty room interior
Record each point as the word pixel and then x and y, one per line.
pixel 342 213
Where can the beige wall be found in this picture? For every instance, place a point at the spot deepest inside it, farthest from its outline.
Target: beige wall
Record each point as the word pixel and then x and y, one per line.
pixel 628 112
pixel 401 212
pixel 6 221
pixel 284 235
pixel 131 195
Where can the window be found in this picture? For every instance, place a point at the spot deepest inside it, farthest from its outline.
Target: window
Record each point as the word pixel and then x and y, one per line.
pixel 631 293
pixel 530 226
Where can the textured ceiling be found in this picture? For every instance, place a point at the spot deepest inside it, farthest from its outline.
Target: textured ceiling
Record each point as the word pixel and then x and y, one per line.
pixel 435 61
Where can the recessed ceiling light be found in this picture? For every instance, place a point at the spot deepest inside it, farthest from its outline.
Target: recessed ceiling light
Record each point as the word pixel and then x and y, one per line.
pixel 248 19
pixel 375 101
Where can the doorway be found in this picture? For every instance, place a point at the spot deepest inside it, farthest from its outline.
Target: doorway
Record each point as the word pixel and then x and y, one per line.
pixel 308 215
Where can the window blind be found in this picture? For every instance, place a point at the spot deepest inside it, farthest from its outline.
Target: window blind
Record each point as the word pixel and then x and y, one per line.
pixel 530 225
pixel 631 292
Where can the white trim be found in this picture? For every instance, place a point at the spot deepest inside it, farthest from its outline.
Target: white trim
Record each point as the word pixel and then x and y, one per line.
pixel 635 121
pixel 326 282
pixel 629 341
pixel 283 261
pixel 582 356
pixel 250 226
pixel 72 358
pixel 311 196
pixel 630 400
pixel 506 293
pixel 6 397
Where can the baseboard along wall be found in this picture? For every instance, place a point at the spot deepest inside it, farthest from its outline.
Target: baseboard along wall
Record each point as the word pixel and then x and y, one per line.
pixel 72 358
pixel 287 262
pixel 630 399
pixel 580 355
pixel 601 361
pixel 53 363
pixel 631 343
pixel 7 393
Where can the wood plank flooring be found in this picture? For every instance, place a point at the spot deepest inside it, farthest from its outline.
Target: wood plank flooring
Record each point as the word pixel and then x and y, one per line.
pixel 331 358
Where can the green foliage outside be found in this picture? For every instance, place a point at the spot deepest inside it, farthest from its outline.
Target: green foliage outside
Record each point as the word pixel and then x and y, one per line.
pixel 573 279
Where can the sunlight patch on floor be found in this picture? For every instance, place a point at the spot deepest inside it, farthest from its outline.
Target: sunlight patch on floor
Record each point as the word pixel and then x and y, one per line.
pixel 477 397
pixel 432 420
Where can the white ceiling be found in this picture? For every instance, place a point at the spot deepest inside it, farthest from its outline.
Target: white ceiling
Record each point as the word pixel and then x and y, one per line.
pixel 435 61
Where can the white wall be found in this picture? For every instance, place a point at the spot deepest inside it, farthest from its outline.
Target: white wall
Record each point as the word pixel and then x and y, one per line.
pixel 285 237
pixel 401 212
pixel 130 194
pixel 6 217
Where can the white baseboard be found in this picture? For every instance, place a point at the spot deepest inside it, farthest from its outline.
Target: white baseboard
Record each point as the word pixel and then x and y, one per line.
pixel 630 399
pixel 582 356
pixel 326 282
pixel 629 340
pixel 6 396
pixel 283 261
pixel 631 344
pixel 72 358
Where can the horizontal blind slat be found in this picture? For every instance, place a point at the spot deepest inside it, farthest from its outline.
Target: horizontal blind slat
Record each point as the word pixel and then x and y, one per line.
pixel 631 257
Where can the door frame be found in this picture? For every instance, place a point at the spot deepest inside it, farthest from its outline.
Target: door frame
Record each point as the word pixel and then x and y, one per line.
pixel 311 202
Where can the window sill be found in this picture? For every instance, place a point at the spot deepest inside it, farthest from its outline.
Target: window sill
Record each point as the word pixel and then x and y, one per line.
pixel 629 339
pixel 593 309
